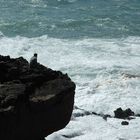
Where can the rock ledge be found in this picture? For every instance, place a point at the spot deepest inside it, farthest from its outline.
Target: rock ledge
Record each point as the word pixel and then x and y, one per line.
pixel 33 102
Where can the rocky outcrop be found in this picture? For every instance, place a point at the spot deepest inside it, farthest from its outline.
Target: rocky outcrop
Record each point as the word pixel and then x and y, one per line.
pixel 33 102
pixel 123 114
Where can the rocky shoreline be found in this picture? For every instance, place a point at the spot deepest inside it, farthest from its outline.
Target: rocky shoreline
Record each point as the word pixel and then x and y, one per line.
pixel 33 102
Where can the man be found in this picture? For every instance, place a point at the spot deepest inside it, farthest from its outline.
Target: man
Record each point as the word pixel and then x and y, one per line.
pixel 33 61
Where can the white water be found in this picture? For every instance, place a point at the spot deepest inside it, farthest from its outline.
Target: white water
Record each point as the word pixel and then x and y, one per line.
pixel 99 68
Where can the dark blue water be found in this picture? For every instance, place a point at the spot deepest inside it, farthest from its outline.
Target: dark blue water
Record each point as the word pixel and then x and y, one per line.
pixel 70 18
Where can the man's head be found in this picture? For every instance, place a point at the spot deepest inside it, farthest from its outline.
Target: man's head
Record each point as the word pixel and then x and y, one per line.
pixel 35 54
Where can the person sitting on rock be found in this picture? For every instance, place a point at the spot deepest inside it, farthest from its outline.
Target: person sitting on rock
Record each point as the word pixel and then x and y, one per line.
pixel 33 61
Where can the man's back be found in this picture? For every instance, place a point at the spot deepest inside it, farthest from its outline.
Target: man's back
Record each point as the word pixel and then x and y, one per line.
pixel 33 61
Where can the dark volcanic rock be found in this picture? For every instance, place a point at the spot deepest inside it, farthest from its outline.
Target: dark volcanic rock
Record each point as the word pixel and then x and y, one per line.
pixel 123 114
pixel 124 123
pixel 33 102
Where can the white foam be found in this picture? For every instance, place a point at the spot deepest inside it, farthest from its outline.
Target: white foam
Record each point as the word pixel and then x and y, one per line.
pixel 95 128
pixel 97 66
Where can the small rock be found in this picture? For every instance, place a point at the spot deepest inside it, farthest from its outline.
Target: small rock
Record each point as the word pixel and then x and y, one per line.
pixel 124 123
pixel 106 116
pixel 123 114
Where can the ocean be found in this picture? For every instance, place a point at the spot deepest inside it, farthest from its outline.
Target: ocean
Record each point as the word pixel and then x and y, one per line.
pixel 97 43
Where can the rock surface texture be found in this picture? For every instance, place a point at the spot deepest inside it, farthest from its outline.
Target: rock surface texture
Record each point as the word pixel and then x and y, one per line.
pixel 33 102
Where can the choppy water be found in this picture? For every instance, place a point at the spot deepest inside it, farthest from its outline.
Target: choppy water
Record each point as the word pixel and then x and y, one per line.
pixel 96 42
pixel 70 18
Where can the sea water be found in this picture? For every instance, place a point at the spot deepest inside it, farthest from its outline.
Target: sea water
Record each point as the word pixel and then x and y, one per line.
pixel 96 42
